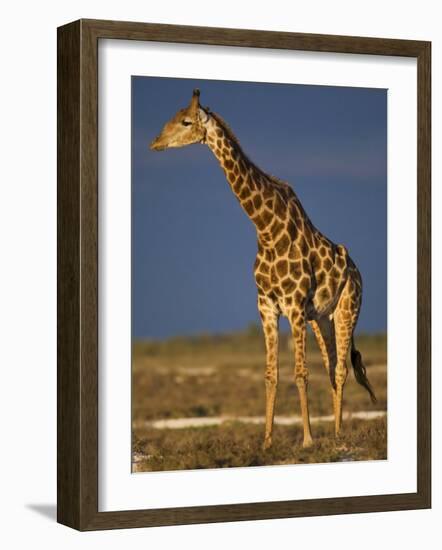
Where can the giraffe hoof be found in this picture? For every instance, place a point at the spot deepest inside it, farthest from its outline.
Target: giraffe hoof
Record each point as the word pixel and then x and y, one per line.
pixel 308 442
pixel 267 444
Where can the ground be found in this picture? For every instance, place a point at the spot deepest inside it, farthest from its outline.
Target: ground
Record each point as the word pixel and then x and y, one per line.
pixel 199 402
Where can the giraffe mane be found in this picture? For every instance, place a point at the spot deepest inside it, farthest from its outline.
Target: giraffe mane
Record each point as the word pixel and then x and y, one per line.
pixel 229 132
pixel 226 128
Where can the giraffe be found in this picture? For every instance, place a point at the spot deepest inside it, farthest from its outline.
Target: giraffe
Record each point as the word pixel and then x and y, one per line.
pixel 299 272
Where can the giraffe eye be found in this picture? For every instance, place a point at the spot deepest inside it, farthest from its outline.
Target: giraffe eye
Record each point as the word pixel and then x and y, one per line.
pixel 187 123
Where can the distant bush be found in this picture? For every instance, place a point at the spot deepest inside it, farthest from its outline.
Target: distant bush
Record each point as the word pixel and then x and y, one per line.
pixel 251 338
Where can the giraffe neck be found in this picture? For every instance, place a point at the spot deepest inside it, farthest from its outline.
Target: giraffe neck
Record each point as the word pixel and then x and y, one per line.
pixel 270 204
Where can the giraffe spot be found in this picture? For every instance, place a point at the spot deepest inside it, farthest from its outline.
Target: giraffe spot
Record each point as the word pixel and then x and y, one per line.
pixel 322 251
pixel 282 193
pixel 345 317
pixel 219 144
pixel 295 269
pixel 282 267
pixel 267 191
pixel 259 186
pixel 245 193
pixel 320 279
pixel 255 186
pixel 288 300
pixel 276 228
pixel 282 245
pixel 236 170
pixel 262 282
pixel 303 246
pixel 324 294
pixel 295 253
pixel 269 204
pixel 342 251
pixel 292 230
pixel 340 262
pixel 252 184
pixel 261 226
pixel 228 164
pixel 333 285
pixel 219 132
pixel 226 152
pixel 306 266
pixel 288 285
pixel 264 268
pixel 277 291
pixel 270 376
pixel 280 208
pixel 242 167
pixel 237 186
pixel 304 284
pixel 308 235
pixel 264 239
pixel 257 202
pixel 294 211
pixel 248 207
pixel 269 255
pixel 230 176
pixel 315 260
pixel 327 264
pixel 298 297
pixel 279 194
pixel 266 217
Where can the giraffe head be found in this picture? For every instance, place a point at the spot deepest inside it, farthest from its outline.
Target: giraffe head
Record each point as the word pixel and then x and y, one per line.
pixel 185 128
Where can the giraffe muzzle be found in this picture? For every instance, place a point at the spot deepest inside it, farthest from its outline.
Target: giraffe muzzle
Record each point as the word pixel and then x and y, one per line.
pixel 156 145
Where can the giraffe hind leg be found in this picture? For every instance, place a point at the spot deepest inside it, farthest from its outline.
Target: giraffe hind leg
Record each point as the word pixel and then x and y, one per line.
pixel 324 331
pixel 345 318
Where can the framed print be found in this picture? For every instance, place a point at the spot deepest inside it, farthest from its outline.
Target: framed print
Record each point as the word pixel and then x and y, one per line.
pixel 243 275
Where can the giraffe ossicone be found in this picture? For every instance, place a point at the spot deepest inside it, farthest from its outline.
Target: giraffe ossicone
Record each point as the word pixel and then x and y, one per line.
pixel 299 272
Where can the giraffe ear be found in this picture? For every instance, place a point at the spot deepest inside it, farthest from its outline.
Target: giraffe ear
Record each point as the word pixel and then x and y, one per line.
pixel 203 116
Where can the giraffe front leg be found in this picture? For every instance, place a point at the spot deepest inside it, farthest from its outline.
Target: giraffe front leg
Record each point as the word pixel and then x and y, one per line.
pixel 301 374
pixel 270 317
pixel 324 331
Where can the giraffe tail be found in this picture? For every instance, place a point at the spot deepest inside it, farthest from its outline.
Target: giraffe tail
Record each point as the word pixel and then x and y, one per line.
pixel 360 371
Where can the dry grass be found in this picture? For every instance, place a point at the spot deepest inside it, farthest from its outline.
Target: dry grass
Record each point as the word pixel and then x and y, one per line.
pixel 223 375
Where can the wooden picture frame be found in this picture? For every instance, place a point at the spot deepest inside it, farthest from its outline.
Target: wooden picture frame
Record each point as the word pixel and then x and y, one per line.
pixel 77 225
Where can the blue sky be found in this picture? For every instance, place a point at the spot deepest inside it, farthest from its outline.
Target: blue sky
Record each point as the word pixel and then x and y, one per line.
pixel 193 247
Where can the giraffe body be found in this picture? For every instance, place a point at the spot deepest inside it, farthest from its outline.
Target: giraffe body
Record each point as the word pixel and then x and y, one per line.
pixel 299 272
